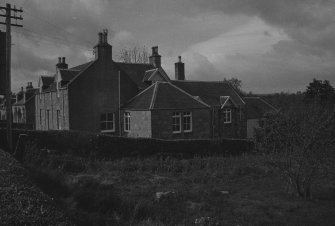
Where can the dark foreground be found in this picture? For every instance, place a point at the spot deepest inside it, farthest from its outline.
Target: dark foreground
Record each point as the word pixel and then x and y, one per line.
pixel 21 202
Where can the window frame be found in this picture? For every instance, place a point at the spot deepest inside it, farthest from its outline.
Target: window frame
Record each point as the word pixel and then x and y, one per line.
pixel 126 121
pixel 176 115
pixel 187 114
pixel 227 112
pixel 106 121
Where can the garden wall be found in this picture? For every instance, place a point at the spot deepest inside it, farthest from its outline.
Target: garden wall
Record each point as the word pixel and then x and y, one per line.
pixel 85 144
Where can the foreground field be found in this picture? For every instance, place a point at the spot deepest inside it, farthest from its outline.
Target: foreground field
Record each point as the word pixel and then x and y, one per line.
pixel 242 190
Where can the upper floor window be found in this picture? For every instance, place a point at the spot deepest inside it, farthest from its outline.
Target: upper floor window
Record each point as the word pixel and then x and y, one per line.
pixel 107 122
pixel 176 122
pixel 187 121
pixel 127 121
pixel 227 115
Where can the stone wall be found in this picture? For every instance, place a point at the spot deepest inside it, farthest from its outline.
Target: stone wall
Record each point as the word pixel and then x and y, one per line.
pixel 50 102
pixel 140 124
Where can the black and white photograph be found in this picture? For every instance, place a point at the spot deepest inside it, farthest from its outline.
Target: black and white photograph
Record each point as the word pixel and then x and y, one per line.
pixel 167 112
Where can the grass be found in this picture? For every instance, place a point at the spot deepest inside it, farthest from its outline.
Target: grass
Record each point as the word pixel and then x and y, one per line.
pixel 123 192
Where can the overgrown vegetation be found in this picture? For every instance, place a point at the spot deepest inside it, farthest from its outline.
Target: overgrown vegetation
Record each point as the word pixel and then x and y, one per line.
pixel 244 190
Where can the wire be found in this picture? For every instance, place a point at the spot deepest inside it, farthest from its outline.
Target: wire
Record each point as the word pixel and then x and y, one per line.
pixel 51 39
pixel 57 27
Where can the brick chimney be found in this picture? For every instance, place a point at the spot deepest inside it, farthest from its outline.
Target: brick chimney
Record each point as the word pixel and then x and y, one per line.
pixel 155 58
pixel 61 63
pixel 103 50
pixel 179 70
pixel 29 86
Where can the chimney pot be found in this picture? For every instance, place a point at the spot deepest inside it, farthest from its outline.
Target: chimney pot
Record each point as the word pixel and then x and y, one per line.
pixel 179 59
pixel 63 60
pixel 59 60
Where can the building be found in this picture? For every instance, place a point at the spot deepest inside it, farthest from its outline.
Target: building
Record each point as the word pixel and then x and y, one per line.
pixel 2 63
pixel 257 108
pixel 23 108
pixel 136 100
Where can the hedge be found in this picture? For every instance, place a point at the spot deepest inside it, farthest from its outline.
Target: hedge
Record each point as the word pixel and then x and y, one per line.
pixel 86 144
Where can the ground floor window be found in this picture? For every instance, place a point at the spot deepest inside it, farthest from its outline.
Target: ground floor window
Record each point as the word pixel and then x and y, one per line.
pixel 176 122
pixel 187 121
pixel 107 122
pixel 58 119
pixel 48 119
pixel 227 115
pixel 127 121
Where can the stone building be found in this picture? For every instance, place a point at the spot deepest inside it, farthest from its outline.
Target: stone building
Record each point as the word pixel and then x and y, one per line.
pixel 136 100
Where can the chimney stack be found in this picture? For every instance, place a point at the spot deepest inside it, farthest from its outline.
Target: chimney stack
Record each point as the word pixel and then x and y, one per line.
pixel 155 58
pixel 103 50
pixel 100 37
pixel 29 86
pixel 61 63
pixel 179 70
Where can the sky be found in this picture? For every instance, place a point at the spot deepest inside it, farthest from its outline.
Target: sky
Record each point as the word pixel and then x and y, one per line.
pixel 271 46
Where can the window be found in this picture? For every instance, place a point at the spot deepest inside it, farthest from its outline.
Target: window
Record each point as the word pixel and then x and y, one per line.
pixel 127 121
pixel 58 119
pixel 41 118
pixel 176 127
pixel 48 119
pixel 187 121
pixel 107 122
pixel 227 115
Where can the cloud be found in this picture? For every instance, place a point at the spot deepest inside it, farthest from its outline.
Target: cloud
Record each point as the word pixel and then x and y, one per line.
pixel 270 45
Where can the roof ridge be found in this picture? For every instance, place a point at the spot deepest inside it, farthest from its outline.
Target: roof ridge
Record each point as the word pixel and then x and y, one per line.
pixel 155 71
pixel 140 93
pixel 183 91
pixel 132 63
pixel 153 96
pixel 82 71
pixel 271 106
pixel 199 81
pixel 252 97
pixel 63 69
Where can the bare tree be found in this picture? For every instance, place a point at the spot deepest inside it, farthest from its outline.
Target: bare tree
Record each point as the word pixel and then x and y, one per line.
pixel 299 144
pixel 135 55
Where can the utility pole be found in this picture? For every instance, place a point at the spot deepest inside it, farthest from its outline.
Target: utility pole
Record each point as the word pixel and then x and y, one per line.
pixel 8 24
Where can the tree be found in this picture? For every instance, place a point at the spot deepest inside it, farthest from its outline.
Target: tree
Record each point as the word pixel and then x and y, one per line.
pixel 299 142
pixel 235 83
pixel 135 55
pixel 320 91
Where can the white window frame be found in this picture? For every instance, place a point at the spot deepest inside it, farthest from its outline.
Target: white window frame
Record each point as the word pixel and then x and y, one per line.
pixel 126 121
pixel 186 115
pixel 106 121
pixel 176 115
pixel 227 115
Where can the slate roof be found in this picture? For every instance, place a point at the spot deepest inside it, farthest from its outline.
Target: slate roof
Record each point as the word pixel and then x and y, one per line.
pixel 209 91
pixel 135 72
pixel 81 66
pixel 68 75
pixel 163 95
pixel 47 80
pixel 257 107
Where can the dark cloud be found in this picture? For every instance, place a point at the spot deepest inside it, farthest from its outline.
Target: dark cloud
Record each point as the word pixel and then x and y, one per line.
pixel 69 28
